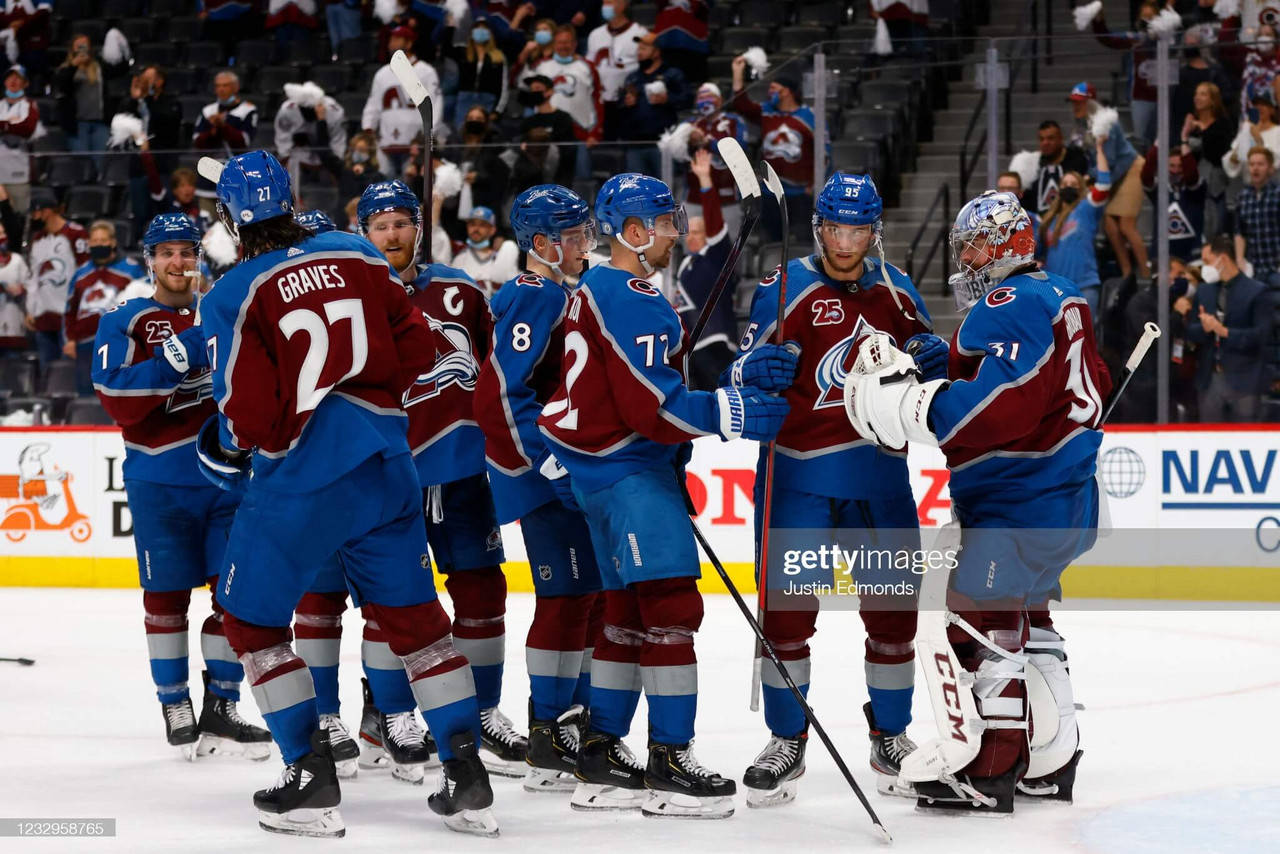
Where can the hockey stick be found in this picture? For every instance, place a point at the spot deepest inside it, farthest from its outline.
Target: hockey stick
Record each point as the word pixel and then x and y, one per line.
pixel 1150 332
pixel 786 676
pixel 749 191
pixel 762 604
pixel 25 662
pixel 409 82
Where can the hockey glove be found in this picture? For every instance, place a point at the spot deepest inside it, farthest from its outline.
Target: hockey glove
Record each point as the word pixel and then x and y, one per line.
pixel 884 398
pixel 182 353
pixel 550 468
pixel 229 470
pixel 769 367
pixel 749 413
pixel 930 353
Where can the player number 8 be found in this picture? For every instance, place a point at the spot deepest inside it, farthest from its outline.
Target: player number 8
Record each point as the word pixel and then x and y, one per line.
pixel 521 337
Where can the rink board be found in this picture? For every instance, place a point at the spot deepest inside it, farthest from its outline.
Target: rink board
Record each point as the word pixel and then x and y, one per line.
pixel 64 520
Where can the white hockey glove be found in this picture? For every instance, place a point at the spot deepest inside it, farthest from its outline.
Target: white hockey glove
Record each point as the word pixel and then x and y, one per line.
pixel 884 398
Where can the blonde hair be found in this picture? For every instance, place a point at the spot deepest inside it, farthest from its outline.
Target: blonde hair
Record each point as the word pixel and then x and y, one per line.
pixel 490 50
pixel 1216 106
pixel 103 225
pixel 92 71
pixel 1056 217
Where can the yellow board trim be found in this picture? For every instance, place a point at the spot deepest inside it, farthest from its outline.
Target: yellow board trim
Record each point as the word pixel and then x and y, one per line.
pixel 1181 583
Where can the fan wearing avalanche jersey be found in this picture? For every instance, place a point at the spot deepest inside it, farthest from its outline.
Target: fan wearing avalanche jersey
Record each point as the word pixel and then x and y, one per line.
pixel 825 479
pixel 1019 424
pixel 553 225
pixel 160 397
pixel 312 341
pixel 619 424
pixel 448 450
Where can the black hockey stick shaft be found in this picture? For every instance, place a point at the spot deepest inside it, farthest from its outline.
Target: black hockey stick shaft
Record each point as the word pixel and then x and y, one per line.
pixel 25 662
pixel 750 215
pixel 786 676
pixel 427 112
pixel 1150 332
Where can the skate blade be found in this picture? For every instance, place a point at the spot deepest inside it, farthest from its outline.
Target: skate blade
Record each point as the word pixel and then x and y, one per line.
pixel 894 787
pixel 372 756
pixel 1050 794
pixel 678 805
pixel 414 775
pixel 474 822
pixel 595 797
pixel 515 769
pixel 324 823
pixel 188 751
pixel 347 769
pixel 958 808
pixel 548 781
pixel 219 747
pixel 759 799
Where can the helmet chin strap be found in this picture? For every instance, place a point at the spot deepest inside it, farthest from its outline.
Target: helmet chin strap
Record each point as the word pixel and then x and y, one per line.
pixel 554 265
pixel 884 277
pixel 640 250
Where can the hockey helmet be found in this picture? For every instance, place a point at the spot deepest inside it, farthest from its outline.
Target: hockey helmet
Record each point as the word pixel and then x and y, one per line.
pixel 317 221
pixel 997 235
pixel 253 188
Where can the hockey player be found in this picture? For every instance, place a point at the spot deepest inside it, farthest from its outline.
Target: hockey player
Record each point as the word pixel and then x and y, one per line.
pixel 1018 422
pixel 617 423
pixel 553 225
pixel 448 450
pixel 825 481
pixel 180 522
pixel 317 221
pixel 312 341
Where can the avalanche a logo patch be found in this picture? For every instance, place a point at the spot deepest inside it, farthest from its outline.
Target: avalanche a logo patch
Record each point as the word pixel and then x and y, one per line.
pixel 195 388
pixel 453 367
pixel 835 365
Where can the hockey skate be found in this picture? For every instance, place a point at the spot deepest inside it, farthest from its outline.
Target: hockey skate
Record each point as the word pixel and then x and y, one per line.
pixel 345 751
pixel 464 796
pixel 553 752
pixel 681 788
pixel 502 749
pixel 224 733
pixel 963 794
pixel 887 752
pixel 771 779
pixel 304 801
pixel 180 727
pixel 1056 787
pixel 609 775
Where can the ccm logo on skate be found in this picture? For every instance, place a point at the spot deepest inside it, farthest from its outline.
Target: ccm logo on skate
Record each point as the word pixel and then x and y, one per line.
pixel 951 696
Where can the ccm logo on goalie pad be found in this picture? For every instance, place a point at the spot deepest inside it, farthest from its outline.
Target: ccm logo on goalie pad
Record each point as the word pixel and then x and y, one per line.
pixel 951 696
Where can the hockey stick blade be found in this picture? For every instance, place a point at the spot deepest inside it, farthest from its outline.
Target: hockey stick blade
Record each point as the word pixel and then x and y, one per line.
pixel 402 68
pixel 209 169
pixel 1150 332
pixel 773 184
pixel 739 167
pixel 412 86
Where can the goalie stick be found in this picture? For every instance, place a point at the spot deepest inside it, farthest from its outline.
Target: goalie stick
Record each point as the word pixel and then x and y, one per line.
pixel 409 82
pixel 749 191
pixel 1150 332
pixel 25 662
pixel 774 186
pixel 786 676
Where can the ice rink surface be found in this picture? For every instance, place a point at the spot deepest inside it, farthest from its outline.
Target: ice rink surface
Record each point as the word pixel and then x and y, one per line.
pixel 1180 751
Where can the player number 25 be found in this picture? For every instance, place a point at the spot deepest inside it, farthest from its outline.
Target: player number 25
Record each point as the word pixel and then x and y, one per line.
pixel 309 394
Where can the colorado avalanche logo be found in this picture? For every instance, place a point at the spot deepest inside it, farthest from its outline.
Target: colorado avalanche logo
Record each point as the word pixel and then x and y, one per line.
pixel 640 286
pixel 783 142
pixel 52 272
pixel 1179 224
pixel 194 389
pixel 97 299
pixel 456 366
pixel 835 365
pixel 565 85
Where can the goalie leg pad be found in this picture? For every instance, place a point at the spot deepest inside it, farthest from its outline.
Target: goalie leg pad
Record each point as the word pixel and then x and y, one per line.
pixel 1055 734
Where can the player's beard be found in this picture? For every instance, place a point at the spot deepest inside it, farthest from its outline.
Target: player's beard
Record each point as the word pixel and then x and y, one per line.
pixel 400 257
pixel 660 262
pixel 844 264
pixel 173 282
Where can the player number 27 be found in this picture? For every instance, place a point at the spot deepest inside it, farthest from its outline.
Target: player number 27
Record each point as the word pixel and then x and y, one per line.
pixel 309 393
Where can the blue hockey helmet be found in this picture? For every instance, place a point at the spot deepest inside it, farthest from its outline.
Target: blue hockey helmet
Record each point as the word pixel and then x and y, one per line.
pixel 634 195
pixel 253 188
pixel 317 221
pixel 848 199
pixel 386 196
pixel 550 209
pixel 169 228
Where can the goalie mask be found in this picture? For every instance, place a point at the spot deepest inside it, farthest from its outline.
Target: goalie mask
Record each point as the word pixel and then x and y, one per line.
pixel 991 239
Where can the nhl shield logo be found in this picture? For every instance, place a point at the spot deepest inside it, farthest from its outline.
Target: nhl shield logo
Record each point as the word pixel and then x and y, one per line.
pixel 424 561
pixel 544 572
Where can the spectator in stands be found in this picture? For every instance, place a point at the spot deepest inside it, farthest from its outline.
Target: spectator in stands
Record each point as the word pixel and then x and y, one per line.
pixel 482 70
pixel 1206 130
pixel 1235 314
pixel 558 125
pixel 228 124
pixel 709 127
pixel 1199 65
pixel 652 98
pixel 79 88
pixel 576 91
pixel 19 120
pixel 1258 219
pixel 91 294
pixel 1070 226
pixel 506 19
pixel 57 248
pixel 14 275
pixel 1262 64
pixel 1011 182
pixel 390 115
pixel 291 20
pixel 479 156
pixel 485 255
pixel 786 141
pixel 1142 71
pixel 1056 159
pixel 611 48
pixel 907 21
pixel 539 48
pixel 343 18
pixel 681 28
pixel 1187 197
pixel 533 166
pixel 707 245
pixel 357 169
pixel 161 116
pixel 30 21
pixel 1138 405
pixel 1264 132
pixel 582 15
pixel 228 21
pixel 309 120
pixel 179 197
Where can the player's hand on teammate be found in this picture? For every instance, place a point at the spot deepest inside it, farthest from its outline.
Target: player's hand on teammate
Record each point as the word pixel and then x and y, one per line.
pixel 558 476
pixel 228 470
pixel 930 353
pixel 770 368
pixel 183 352
pixel 884 398
pixel 749 413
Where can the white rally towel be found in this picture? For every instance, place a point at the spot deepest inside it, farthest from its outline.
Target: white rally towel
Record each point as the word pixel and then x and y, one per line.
pixel 1226 8
pixel 882 46
pixel 219 247
pixel 1027 165
pixel 304 94
pixel 115 48
pixel 10 44
pixel 458 9
pixel 306 7
pixel 386 10
pixel 757 60
pixel 125 128
pixel 447 180
pixel 675 141
pixel 1168 21
pixel 1102 121
pixel 1086 13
